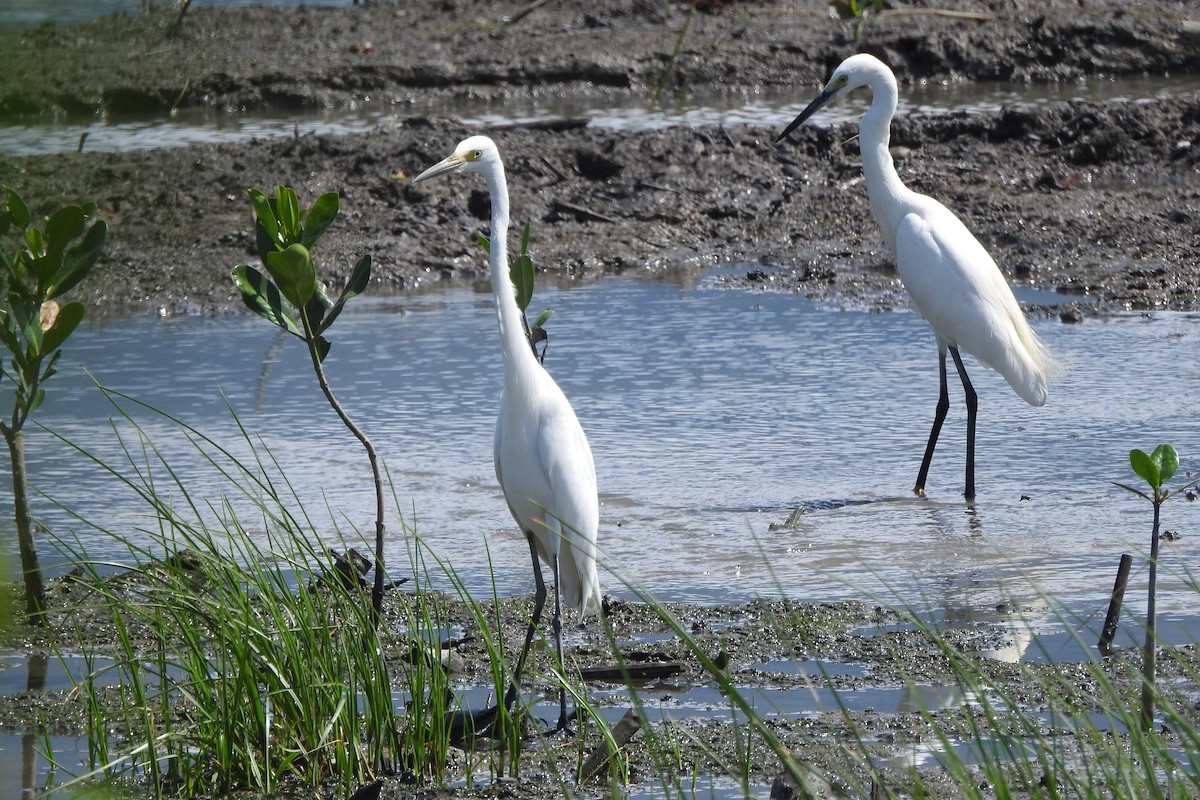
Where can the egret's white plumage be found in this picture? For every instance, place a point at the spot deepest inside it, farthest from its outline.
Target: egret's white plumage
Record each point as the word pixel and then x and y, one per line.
pixel 954 284
pixel 542 457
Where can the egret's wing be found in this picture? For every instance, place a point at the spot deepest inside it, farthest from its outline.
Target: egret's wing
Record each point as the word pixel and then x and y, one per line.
pixel 957 287
pixel 574 511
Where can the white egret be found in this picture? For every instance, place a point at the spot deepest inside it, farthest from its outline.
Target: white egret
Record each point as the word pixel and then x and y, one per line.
pixel 953 282
pixel 542 457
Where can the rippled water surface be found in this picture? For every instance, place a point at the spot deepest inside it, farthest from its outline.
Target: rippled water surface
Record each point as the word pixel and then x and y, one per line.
pixel 713 414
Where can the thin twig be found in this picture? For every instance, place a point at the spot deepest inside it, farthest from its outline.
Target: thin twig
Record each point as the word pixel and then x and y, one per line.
pixel 587 214
pixel 173 31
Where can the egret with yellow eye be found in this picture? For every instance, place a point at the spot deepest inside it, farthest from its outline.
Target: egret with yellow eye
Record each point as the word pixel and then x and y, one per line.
pixel 542 457
pixel 953 282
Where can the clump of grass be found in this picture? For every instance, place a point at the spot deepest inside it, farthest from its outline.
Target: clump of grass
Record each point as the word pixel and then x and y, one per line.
pixel 262 668
pixel 243 661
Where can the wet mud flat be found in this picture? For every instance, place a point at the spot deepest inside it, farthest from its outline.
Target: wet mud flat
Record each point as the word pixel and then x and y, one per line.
pixel 827 679
pixel 1096 200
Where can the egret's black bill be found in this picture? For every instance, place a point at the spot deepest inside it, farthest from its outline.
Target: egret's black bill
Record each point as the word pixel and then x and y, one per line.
pixel 813 107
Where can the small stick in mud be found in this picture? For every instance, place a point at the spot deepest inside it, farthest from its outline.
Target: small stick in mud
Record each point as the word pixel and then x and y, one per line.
pixel 1114 605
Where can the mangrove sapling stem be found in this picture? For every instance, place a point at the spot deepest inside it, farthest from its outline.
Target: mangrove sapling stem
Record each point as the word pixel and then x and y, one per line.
pixel 1114 605
pixel 1155 469
pixel 35 589
pixel 1149 654
pixel 311 339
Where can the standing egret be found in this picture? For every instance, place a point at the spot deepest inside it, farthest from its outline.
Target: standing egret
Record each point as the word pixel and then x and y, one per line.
pixel 953 282
pixel 542 457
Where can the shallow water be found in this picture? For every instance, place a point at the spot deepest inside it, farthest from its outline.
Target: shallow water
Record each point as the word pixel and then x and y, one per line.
pixel 773 108
pixel 713 415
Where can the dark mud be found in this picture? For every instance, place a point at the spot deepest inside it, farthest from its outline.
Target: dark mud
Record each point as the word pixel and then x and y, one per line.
pixel 1094 199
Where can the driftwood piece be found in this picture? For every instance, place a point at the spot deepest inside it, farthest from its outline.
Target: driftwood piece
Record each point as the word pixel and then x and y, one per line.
pixel 633 672
pixel 603 753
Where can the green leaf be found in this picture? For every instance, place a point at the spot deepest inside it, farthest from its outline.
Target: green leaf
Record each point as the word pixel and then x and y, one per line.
pixel 64 226
pixel 1167 459
pixel 294 273
pixel 315 309
pixel 319 217
pixel 266 218
pixel 360 278
pixel 15 211
pixel 35 243
pixel 521 272
pixel 50 371
pixel 1145 468
pixel 61 229
pixel 287 211
pixel 263 298
pixel 322 348
pixel 543 317
pixel 38 397
pixel 484 242
pixel 525 238
pixel 79 260
pixel 31 333
pixel 263 243
pixel 68 319
pixel 1138 492
pixel 8 335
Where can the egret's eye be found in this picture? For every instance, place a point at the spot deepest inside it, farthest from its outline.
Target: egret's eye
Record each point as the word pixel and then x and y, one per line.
pixel 478 154
pixel 839 82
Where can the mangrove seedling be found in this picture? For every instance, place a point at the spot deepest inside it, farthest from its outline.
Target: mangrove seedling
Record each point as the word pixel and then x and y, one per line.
pixel 1155 469
pixel 47 262
pixel 291 296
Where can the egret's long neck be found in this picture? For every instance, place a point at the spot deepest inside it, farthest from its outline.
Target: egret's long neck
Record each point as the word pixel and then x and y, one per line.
pixel 517 353
pixel 884 187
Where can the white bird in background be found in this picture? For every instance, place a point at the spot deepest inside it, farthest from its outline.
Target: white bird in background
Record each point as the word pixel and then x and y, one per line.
pixel 543 460
pixel 954 284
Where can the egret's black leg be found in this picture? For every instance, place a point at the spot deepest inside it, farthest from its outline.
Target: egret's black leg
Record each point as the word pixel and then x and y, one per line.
pixel 539 601
pixel 477 722
pixel 972 407
pixel 939 417
pixel 562 691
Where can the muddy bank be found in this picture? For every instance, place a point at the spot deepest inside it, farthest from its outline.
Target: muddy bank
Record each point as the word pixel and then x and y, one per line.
pixel 1095 199
pixel 1099 200
pixel 398 53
